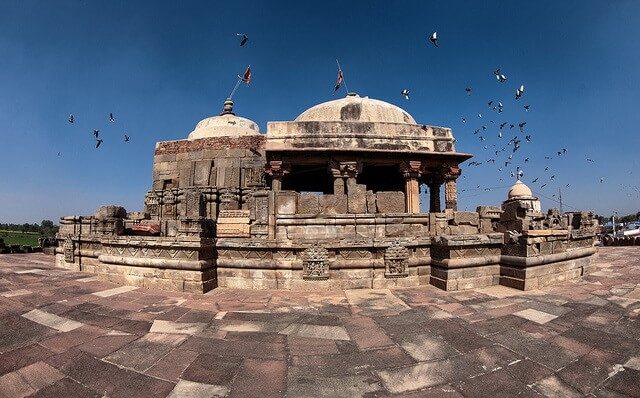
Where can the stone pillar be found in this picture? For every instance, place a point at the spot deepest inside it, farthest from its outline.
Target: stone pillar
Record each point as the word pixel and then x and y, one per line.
pixel 434 196
pixel 451 174
pixel 344 176
pixel 277 169
pixel 412 170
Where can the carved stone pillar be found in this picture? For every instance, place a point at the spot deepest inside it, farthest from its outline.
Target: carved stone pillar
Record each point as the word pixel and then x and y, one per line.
pixel 451 174
pixel 434 196
pixel 277 170
pixel 412 170
pixel 344 175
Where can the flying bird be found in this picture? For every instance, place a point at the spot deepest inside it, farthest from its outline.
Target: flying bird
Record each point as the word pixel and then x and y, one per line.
pixel 543 185
pixel 468 90
pixel 98 143
pixel 526 160
pixel 521 125
pixel 528 138
pixel 126 138
pixel 591 160
pixel 71 119
pixel 536 180
pixel 489 103
pixel 500 77
pixel 601 179
pixel 464 120
pixel 96 133
pixel 526 108
pixel 405 93
pixel 244 39
pixel 502 125
pixel 519 92
pixel 111 118
pixel 434 39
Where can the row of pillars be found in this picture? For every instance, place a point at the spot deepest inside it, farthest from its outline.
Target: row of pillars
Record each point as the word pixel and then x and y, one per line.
pixel 345 173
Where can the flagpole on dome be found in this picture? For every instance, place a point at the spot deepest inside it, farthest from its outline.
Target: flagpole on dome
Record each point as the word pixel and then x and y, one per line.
pixel 246 77
pixel 341 79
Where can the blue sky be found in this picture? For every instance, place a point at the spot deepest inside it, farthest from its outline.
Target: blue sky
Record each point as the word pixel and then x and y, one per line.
pixel 160 67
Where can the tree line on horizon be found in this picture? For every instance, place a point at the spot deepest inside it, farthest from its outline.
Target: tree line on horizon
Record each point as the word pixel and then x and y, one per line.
pixel 619 219
pixel 45 228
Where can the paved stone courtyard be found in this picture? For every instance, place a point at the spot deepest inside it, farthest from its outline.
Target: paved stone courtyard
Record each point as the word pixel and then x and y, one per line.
pixel 65 334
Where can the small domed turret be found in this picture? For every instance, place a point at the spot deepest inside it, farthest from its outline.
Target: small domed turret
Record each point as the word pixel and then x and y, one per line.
pixel 227 124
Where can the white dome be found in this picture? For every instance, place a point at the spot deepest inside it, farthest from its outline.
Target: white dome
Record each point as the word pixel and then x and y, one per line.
pixel 227 124
pixel 354 108
pixel 520 190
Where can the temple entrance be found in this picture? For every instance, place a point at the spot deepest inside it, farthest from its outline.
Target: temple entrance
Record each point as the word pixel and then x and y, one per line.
pixel 379 178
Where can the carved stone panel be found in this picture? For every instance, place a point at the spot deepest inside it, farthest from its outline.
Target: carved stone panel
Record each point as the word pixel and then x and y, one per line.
pixel 396 261
pixel 315 263
pixel 68 248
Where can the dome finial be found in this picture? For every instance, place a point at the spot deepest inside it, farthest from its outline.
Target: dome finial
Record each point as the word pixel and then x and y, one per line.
pixel 227 109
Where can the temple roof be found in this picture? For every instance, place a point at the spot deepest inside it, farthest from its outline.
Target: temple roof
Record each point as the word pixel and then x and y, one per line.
pixel 227 124
pixel 520 190
pixel 354 108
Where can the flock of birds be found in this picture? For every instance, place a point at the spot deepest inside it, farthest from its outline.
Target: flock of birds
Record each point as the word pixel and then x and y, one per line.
pixel 112 119
pixel 507 154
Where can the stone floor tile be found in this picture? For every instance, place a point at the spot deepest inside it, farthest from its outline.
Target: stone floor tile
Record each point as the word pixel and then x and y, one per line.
pixel 15 293
pixel 366 333
pixel 171 366
pixel 260 378
pixel 494 384
pixel 145 352
pixel 375 302
pixel 424 347
pixel 308 346
pixel 169 327
pixel 317 331
pixel 51 320
pixel 212 369
pixel 63 341
pixel 104 345
pixel 358 386
pixel 552 386
pixel 527 371
pixel 185 388
pixel 115 291
pixel 535 315
pixel 40 375
pixel 12 385
pixel 65 388
pixel 21 357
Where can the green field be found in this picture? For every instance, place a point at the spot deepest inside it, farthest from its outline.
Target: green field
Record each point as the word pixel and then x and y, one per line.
pixel 19 238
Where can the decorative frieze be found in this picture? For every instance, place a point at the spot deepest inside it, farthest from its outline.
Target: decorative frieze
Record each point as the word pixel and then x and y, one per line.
pixel 396 261
pixel 315 263
pixel 68 248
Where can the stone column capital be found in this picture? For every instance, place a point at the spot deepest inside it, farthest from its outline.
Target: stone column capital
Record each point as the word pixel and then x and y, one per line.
pixel 451 172
pixel 277 168
pixel 347 169
pixel 411 169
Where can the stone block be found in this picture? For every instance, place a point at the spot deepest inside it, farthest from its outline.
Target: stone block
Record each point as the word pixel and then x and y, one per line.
pixel 110 211
pixel 357 199
pixel 202 173
pixel 286 202
pixel 371 202
pixel 334 204
pixel 308 204
pixel 466 218
pixel 233 231
pixel 390 202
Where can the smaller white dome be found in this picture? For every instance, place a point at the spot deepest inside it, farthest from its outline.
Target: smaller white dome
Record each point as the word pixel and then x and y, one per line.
pixel 227 124
pixel 520 190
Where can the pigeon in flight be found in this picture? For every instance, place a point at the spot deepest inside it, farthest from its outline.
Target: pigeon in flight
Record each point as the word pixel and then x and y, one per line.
pixel 405 93
pixel 528 138
pixel 568 185
pixel 502 125
pixel 519 92
pixel 111 118
pixel 601 179
pixel 480 115
pixel 71 119
pixel 526 108
pixel 521 125
pixel 58 153
pixel 434 39
pixel 96 133
pixel 526 160
pixel 126 138
pixel 244 39
pixel 591 160
pixel 468 90
pixel 98 143
pixel 500 77
pixel 500 135
pixel 464 120
pixel 543 185
pixel 489 103
pixel 536 180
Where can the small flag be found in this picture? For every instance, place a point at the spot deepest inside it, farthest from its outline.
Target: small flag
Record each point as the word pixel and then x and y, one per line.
pixel 339 80
pixel 247 75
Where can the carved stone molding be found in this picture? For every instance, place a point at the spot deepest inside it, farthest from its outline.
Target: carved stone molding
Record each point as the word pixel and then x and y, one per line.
pixel 68 248
pixel 315 263
pixel 396 261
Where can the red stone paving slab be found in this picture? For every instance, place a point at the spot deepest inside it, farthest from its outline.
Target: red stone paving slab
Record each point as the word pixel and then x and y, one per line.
pixel 423 342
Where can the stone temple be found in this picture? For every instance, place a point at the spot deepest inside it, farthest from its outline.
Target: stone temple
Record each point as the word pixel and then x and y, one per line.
pixel 330 200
